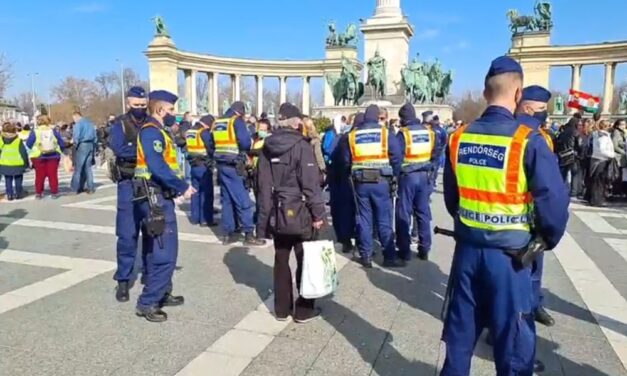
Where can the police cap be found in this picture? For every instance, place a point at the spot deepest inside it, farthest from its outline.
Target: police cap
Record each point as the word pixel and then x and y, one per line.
pixel 502 65
pixel 238 107
pixel 136 92
pixel 163 95
pixel 358 119
pixel 536 93
pixel 207 120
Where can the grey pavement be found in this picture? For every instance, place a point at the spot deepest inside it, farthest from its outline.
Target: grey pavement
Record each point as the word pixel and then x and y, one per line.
pixel 58 315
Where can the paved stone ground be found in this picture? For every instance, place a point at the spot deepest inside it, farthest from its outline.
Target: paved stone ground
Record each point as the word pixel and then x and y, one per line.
pixel 58 314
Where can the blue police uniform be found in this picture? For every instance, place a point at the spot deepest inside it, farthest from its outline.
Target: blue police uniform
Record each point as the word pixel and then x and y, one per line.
pixel 440 147
pixel 123 143
pixel 374 199
pixel 157 159
pixel 538 94
pixel 485 288
pixel 234 197
pixel 199 153
pixel 414 188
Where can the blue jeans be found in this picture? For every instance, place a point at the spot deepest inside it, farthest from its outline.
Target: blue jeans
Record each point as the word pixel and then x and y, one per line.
pixel 82 167
pixel 8 181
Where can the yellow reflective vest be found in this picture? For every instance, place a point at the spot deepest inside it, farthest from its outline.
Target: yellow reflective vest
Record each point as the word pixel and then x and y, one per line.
pixel 493 190
pixel 548 139
pixel 169 155
pixel 419 144
pixel 257 146
pixel 10 153
pixel 369 148
pixel 224 136
pixel 195 144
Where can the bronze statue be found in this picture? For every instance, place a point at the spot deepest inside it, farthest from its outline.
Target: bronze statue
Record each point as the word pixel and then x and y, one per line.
pixel 426 83
pixel 346 88
pixel 558 105
pixel 622 104
pixel 161 29
pixel 377 75
pixel 540 21
pixel 348 38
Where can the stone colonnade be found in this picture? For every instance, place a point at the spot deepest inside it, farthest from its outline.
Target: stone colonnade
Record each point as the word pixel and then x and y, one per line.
pixel 213 104
pixel 536 56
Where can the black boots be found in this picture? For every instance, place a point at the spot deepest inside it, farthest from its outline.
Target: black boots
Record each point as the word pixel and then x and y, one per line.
pixel 121 293
pixel 251 240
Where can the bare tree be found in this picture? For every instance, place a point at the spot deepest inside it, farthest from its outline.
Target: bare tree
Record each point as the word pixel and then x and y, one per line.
pixel 76 91
pixel 106 82
pixel 469 107
pixel 5 74
pixel 24 102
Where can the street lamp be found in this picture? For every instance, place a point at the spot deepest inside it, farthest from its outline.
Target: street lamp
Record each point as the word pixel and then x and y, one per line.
pixel 122 84
pixel 32 89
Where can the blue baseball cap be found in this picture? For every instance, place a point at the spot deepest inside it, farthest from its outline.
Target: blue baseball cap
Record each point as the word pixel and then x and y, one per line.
pixel 536 93
pixel 502 65
pixel 136 92
pixel 163 95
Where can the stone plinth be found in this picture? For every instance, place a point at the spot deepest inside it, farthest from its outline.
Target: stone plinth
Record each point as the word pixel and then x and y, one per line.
pixel 535 72
pixel 531 39
pixel 337 53
pixel 445 112
pixel 163 64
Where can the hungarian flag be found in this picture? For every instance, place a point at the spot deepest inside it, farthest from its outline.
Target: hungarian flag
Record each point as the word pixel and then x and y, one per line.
pixel 583 101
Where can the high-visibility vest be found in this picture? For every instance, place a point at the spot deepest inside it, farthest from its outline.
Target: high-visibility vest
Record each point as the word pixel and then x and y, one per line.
pixel 257 145
pixel 419 145
pixel 548 139
pixel 493 191
pixel 10 154
pixel 23 135
pixel 169 155
pixel 369 148
pixel 224 136
pixel 35 151
pixel 195 144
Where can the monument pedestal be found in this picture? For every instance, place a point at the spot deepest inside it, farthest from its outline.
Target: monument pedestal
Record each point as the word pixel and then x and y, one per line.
pixel 444 111
pixel 535 72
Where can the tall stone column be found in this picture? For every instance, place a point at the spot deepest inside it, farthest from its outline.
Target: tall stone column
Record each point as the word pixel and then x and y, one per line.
pixel 187 93
pixel 575 80
pixel 608 91
pixel 387 8
pixel 259 79
pixel 282 89
pixel 235 87
pixel 209 93
pixel 215 105
pixel 306 95
pixel 193 100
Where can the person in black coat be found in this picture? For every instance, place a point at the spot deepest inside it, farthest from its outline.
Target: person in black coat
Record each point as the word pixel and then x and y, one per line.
pixel 566 152
pixel 288 172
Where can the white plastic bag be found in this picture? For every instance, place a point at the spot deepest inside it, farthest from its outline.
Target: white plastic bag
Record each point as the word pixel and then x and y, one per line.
pixel 319 269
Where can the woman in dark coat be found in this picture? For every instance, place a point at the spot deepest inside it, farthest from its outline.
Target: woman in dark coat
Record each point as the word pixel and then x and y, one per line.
pixel 13 161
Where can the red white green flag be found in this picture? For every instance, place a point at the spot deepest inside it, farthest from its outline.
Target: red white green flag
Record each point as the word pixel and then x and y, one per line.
pixel 583 101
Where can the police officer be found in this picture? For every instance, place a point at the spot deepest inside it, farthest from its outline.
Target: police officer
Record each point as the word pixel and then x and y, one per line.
pixel 441 138
pixel 500 175
pixel 232 143
pixel 199 154
pixel 158 179
pixel 123 143
pixel 414 189
pixel 374 157
pixel 533 112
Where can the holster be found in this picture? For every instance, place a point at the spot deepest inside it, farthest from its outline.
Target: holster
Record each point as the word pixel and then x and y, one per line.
pixel 125 168
pixel 367 176
pixel 525 257
pixel 154 223
pixel 240 167
pixel 143 191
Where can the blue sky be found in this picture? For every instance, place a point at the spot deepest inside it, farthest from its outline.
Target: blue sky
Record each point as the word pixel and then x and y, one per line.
pixel 84 38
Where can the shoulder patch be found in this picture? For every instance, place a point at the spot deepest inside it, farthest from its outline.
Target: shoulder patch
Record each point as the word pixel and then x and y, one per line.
pixel 157 145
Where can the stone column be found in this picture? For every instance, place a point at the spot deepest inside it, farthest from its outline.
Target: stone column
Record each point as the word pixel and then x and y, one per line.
pixel 209 93
pixel 306 95
pixel 259 79
pixel 328 94
pixel 282 90
pixel 235 87
pixel 388 8
pixel 193 100
pixel 213 88
pixel 608 91
pixel 575 80
pixel 187 93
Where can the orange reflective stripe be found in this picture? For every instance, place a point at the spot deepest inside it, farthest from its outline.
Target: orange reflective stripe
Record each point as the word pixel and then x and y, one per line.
pixel 454 148
pixel 495 197
pixel 384 146
pixel 384 142
pixel 514 159
pixel 548 139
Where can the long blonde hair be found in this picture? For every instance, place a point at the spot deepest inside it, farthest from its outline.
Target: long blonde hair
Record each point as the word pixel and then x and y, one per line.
pixel 310 127
pixel 43 120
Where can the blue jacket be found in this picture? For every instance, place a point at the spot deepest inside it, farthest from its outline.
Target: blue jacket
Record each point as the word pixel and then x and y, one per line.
pixel 30 141
pixel 153 145
pixel 244 140
pixel 441 138
pixel 117 139
pixel 416 125
pixel 329 142
pixel 84 132
pixel 547 189
pixel 394 150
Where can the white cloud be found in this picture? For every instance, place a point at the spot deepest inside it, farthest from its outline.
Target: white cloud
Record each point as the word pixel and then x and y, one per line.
pixel 93 7
pixel 428 34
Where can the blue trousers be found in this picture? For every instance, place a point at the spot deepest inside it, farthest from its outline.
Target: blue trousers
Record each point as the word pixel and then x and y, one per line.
pixel 342 209
pixel 486 291
pixel 127 224
pixel 82 167
pixel 202 200
pixel 374 203
pixel 235 201
pixel 414 191
pixel 9 180
pixel 536 281
pixel 160 256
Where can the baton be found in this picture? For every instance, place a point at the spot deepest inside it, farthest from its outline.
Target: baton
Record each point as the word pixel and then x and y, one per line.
pixel 442 231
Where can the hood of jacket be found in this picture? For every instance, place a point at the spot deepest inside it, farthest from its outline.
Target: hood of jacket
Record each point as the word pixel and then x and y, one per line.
pixel 281 141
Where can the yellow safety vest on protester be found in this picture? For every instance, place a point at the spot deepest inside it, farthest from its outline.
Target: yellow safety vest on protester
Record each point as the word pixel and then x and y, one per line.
pixel 493 191
pixel 35 151
pixel 419 145
pixel 224 136
pixel 195 144
pixel 10 154
pixel 169 155
pixel 548 139
pixel 369 148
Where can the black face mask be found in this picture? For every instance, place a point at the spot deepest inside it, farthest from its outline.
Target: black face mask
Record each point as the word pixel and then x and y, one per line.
pixel 138 113
pixel 541 115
